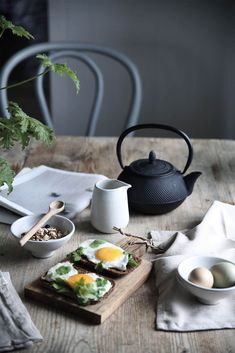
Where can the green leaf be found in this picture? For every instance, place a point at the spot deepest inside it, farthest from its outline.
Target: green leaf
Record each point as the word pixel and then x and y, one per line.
pixel 97 243
pixel 21 127
pixel 101 282
pixel 60 69
pixel 60 288
pixel 6 174
pixel 62 270
pixel 131 261
pixel 75 256
pixel 17 30
pixel 83 289
pixel 82 301
pixel 99 267
pixel 7 136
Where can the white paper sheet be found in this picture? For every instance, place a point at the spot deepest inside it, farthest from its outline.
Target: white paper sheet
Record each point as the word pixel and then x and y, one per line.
pixel 33 191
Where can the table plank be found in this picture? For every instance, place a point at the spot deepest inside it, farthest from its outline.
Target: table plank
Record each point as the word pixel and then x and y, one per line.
pixel 131 328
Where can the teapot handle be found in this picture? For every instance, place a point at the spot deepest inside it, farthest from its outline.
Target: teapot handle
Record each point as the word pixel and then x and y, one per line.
pixel 155 126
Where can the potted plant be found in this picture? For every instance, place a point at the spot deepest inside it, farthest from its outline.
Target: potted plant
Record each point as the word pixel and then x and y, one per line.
pixel 20 127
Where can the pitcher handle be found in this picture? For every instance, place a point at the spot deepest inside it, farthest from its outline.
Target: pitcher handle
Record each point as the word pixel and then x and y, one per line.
pixel 155 126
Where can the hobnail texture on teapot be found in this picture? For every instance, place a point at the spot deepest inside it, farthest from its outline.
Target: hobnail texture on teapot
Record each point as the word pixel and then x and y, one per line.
pixel 157 186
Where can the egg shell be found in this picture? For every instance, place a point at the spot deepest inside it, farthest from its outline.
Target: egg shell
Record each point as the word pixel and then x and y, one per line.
pixel 202 277
pixel 224 274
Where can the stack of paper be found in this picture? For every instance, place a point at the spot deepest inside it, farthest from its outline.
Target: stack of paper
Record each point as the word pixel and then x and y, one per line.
pixel 35 188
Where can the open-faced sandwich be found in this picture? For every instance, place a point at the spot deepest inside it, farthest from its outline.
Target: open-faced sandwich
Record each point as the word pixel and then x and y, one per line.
pixel 104 257
pixel 84 287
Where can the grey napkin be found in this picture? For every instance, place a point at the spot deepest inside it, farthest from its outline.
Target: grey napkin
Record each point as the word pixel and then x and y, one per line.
pixel 16 327
pixel 177 310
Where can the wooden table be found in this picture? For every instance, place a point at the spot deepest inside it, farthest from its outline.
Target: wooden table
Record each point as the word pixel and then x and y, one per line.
pixel 131 328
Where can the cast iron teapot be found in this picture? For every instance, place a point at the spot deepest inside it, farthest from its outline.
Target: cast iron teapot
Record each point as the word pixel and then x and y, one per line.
pixel 157 186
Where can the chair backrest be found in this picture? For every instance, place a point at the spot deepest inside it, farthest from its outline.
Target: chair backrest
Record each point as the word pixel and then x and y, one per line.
pixel 78 51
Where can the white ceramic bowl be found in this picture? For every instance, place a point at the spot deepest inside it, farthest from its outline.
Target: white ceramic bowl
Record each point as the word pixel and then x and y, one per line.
pixel 43 249
pixel 204 295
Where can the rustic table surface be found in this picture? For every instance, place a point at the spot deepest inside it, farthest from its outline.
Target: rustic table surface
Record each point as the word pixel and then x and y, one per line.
pixel 131 328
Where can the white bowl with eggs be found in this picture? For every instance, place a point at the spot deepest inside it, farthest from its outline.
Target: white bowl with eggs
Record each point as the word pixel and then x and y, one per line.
pixel 223 276
pixel 43 249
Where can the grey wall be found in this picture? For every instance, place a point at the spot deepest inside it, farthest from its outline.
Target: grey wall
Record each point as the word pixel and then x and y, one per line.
pixel 184 51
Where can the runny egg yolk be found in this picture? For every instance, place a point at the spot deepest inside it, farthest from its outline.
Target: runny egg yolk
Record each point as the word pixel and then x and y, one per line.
pixel 76 278
pixel 108 254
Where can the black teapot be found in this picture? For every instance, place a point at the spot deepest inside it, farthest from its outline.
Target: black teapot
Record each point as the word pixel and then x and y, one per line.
pixel 157 186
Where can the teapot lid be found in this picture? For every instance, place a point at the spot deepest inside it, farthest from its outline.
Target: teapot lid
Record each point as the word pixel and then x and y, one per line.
pixel 152 166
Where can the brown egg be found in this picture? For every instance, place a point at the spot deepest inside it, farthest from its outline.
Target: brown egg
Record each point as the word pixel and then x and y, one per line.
pixel 202 277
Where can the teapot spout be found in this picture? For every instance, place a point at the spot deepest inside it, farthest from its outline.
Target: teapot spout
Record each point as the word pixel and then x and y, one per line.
pixel 190 180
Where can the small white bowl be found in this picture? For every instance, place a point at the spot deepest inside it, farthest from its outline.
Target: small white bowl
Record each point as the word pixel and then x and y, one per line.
pixel 43 249
pixel 204 295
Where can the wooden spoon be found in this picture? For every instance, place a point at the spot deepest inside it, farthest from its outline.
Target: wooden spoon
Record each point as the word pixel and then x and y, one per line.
pixel 54 208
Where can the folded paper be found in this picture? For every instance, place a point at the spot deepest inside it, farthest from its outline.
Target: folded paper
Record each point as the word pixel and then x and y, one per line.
pixel 45 184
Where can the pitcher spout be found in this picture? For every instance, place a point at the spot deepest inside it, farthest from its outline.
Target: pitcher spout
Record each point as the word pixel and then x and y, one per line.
pixel 122 184
pixel 111 184
pixel 190 180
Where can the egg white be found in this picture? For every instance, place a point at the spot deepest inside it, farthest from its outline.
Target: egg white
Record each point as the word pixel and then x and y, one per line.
pixel 52 275
pixel 89 252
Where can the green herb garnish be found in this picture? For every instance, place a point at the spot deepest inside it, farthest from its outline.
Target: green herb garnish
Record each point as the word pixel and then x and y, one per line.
pixel 62 270
pixel 85 292
pixel 131 261
pixel 60 288
pixel 101 282
pixel 82 291
pixel 97 243
pixel 99 267
pixel 75 256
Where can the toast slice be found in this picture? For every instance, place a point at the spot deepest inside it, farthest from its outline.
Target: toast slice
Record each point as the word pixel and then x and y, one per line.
pixel 62 289
pixel 81 260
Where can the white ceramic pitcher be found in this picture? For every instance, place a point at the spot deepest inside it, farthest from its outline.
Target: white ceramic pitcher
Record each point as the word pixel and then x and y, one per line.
pixel 109 206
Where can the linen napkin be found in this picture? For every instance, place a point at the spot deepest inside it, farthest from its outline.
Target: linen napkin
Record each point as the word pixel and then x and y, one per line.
pixel 178 310
pixel 16 327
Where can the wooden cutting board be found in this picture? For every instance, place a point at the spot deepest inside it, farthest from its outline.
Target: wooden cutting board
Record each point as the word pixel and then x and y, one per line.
pixel 124 287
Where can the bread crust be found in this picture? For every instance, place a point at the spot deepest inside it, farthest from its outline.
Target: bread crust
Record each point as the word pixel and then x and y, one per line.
pixel 44 283
pixel 111 272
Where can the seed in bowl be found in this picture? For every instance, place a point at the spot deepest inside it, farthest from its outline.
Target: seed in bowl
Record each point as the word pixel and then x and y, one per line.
pixel 46 233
